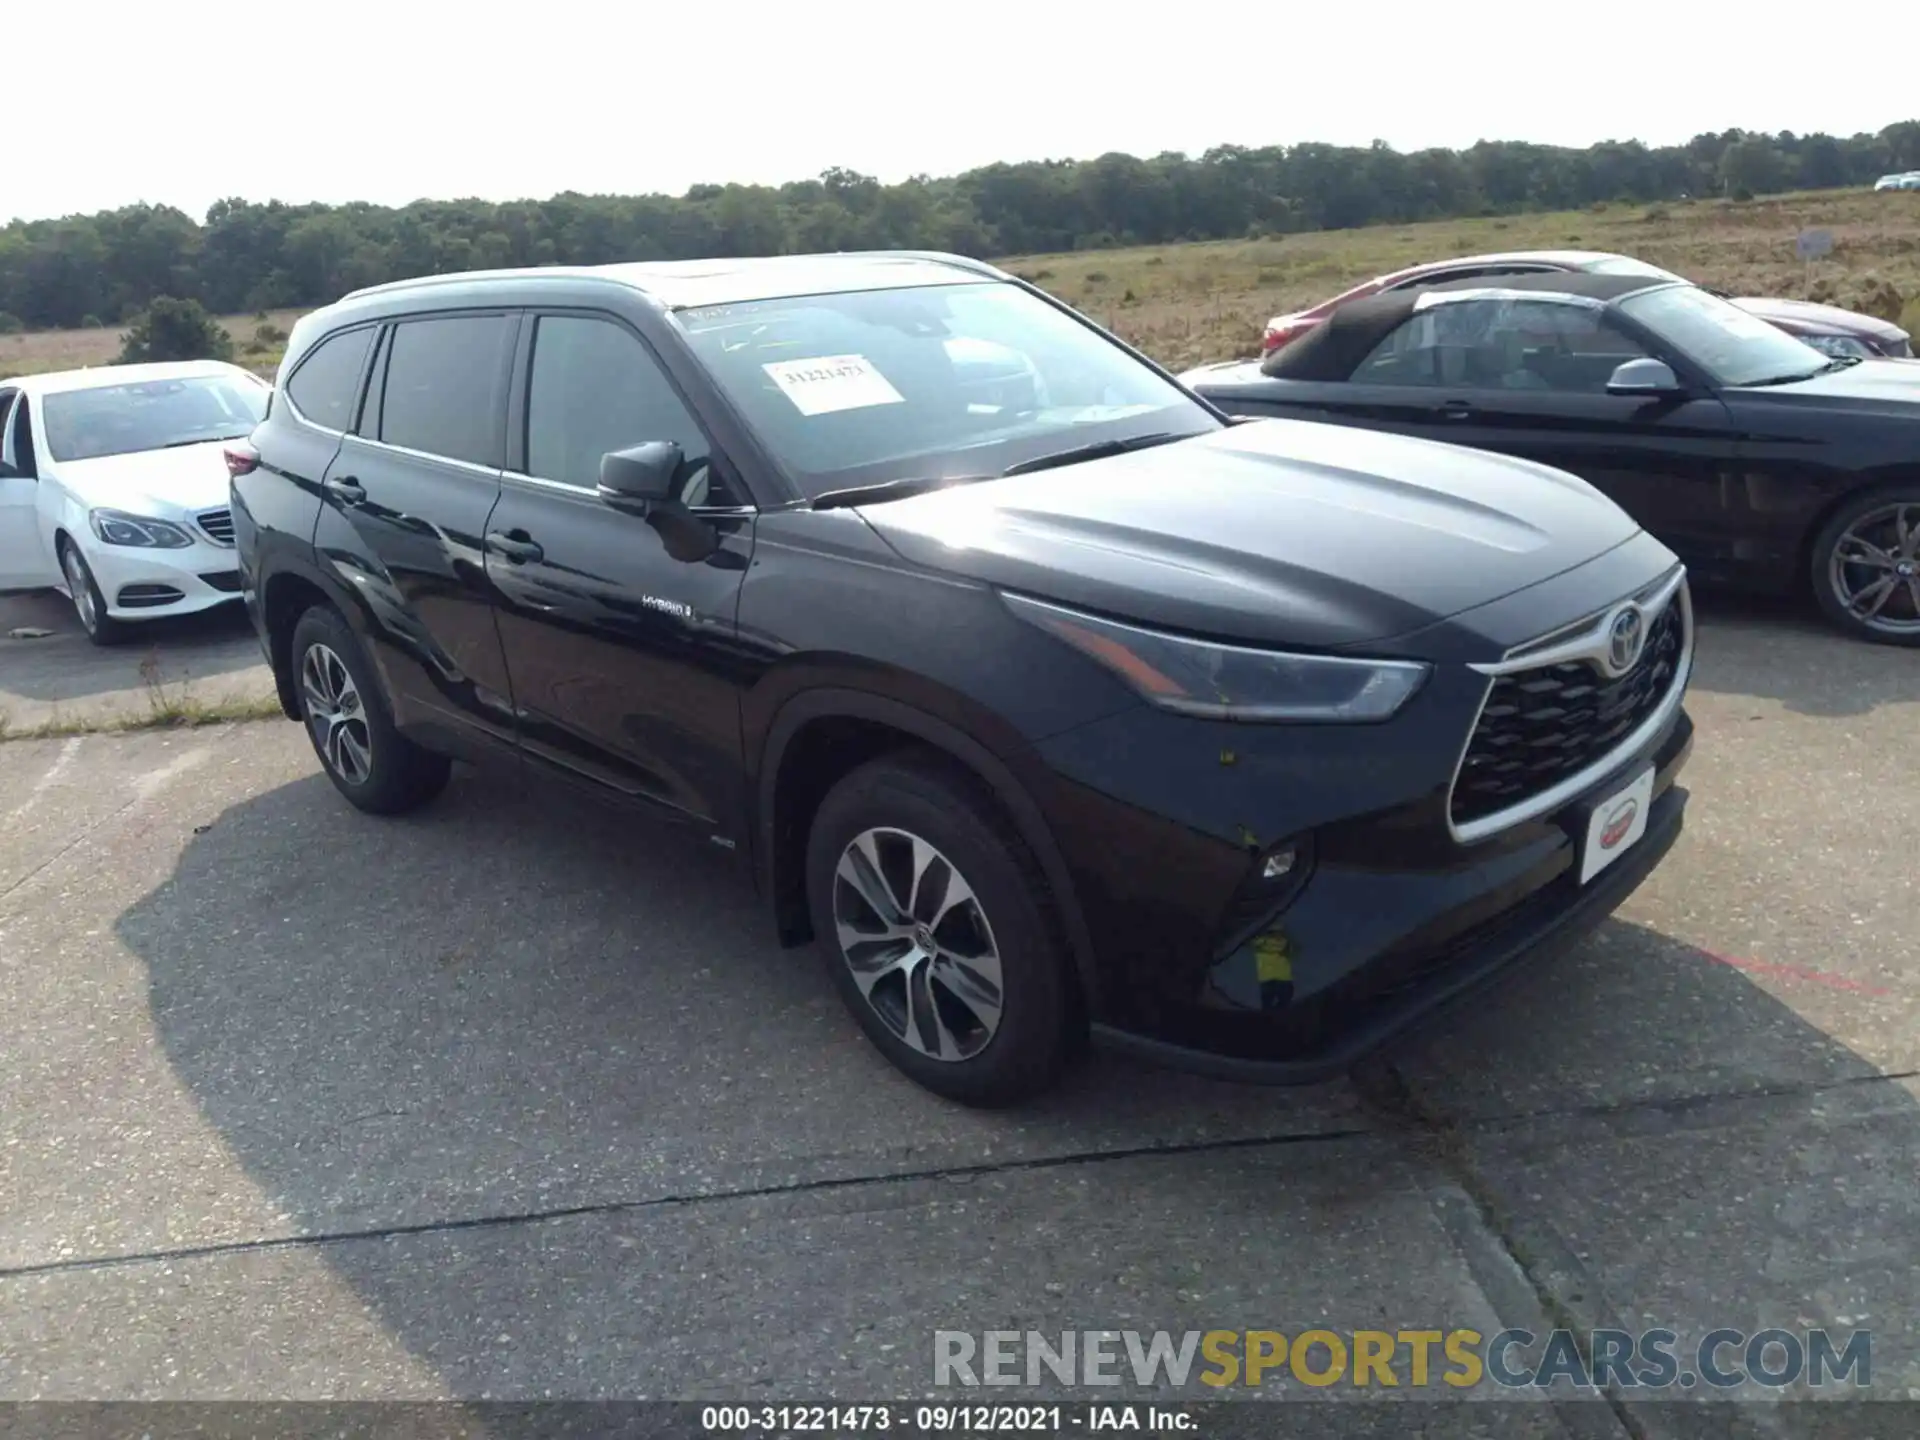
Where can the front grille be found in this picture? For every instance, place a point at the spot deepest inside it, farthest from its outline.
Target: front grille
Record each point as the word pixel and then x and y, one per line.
pixel 218 525
pixel 140 597
pixel 227 581
pixel 1542 725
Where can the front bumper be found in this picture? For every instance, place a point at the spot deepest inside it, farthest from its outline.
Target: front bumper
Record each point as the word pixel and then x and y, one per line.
pixel 1272 902
pixel 139 583
pixel 1548 922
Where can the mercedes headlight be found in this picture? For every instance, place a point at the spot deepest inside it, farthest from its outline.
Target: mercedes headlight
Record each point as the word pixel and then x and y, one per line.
pixel 1232 682
pixel 116 527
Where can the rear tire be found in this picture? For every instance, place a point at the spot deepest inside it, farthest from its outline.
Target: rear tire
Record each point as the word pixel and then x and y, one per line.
pixel 89 605
pixel 1866 566
pixel 348 720
pixel 938 930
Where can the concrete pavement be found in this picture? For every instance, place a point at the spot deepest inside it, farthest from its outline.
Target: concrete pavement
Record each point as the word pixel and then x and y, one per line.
pixel 61 676
pixel 515 1098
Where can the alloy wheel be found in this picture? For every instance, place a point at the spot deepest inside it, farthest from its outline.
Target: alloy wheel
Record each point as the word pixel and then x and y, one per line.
pixel 918 944
pixel 336 715
pixel 80 587
pixel 1874 569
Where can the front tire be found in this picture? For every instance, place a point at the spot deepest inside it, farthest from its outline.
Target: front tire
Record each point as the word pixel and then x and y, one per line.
pixel 89 605
pixel 938 931
pixel 347 719
pixel 1866 566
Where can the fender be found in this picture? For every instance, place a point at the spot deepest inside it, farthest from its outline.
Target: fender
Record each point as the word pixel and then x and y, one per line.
pixel 286 559
pixel 1019 804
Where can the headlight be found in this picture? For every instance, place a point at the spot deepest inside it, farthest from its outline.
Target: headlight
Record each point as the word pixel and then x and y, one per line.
pixel 116 527
pixel 1838 346
pixel 1229 682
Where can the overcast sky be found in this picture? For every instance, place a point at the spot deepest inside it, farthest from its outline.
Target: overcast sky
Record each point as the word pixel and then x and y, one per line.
pixel 300 100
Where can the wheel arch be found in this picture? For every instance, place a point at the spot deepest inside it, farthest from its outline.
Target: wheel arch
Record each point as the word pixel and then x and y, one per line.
pixel 1872 484
pixel 854 726
pixel 286 593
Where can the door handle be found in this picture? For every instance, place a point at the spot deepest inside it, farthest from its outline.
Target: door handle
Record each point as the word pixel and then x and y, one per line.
pixel 514 546
pixel 345 489
pixel 1456 410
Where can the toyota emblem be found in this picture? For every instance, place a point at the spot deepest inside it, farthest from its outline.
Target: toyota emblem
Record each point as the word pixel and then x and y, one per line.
pixel 1625 639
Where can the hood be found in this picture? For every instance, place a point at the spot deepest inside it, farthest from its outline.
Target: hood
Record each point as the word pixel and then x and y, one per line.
pixel 1222 372
pixel 1278 531
pixel 188 479
pixel 1889 388
pixel 1809 315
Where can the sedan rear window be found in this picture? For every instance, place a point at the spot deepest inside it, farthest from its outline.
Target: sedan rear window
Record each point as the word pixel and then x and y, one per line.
pixel 1627 265
pixel 150 415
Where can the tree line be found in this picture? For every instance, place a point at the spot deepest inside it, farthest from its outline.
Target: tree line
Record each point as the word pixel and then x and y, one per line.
pixel 103 269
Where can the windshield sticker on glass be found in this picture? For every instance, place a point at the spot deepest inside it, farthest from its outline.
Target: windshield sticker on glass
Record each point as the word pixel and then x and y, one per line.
pixel 824 384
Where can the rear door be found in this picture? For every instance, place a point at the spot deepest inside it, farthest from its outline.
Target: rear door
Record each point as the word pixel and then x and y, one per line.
pixel 24 558
pixel 618 626
pixel 404 508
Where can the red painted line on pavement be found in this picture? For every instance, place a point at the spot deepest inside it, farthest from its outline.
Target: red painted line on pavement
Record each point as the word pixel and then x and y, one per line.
pixel 1798 972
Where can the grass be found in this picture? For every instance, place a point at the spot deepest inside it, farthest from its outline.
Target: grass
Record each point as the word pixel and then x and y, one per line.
pixel 1185 304
pixel 37 351
pixel 166 705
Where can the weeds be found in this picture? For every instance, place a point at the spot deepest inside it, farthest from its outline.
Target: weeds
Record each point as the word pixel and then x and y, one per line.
pixel 166 705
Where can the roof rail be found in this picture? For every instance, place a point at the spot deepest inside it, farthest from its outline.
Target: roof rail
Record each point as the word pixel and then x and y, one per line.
pixel 937 257
pixel 575 272
pixel 462 277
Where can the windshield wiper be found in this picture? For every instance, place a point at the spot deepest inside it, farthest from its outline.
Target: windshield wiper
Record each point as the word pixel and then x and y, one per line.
pixel 891 490
pixel 1098 450
pixel 203 440
pixel 1792 379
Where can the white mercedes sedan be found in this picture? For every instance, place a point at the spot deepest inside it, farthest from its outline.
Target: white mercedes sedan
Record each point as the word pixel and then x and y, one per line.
pixel 113 487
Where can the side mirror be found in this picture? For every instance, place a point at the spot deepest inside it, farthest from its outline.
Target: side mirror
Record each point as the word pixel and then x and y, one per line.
pixel 1644 377
pixel 642 475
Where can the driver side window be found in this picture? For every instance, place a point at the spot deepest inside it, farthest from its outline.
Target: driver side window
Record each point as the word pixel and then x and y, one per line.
pixel 595 388
pixel 1502 344
pixel 16 435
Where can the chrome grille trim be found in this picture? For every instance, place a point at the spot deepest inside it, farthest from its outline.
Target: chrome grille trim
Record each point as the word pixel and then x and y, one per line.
pixel 216 525
pixel 1584 640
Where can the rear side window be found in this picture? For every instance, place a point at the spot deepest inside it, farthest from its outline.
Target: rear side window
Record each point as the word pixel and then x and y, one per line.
pixel 595 388
pixel 323 389
pixel 443 380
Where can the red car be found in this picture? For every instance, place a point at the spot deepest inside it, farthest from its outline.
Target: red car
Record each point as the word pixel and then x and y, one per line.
pixel 1833 331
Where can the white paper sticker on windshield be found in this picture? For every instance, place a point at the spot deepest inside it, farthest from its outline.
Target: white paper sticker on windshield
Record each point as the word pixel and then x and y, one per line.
pixel 826 383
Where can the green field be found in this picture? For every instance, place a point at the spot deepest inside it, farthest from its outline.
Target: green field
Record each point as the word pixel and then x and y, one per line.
pixel 1184 304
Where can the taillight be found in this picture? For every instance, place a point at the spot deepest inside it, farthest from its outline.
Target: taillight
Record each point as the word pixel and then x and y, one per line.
pixel 1282 332
pixel 242 459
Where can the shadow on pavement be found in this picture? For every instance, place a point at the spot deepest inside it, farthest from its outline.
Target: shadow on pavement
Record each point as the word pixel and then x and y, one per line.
pixel 1780 649
pixel 521 1008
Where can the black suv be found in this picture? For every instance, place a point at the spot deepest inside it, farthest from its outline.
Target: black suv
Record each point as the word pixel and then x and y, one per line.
pixel 1049 701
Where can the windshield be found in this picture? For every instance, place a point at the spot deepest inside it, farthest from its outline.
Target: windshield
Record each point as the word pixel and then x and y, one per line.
pixel 866 387
pixel 150 415
pixel 1733 347
pixel 1627 265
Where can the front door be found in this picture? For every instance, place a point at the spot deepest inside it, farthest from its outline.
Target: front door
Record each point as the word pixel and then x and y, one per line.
pixel 619 626
pixel 405 507
pixel 24 560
